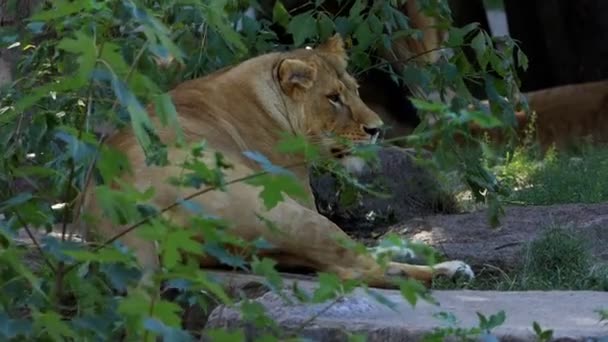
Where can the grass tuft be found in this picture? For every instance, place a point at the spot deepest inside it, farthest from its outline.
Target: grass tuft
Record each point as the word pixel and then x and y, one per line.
pixel 559 259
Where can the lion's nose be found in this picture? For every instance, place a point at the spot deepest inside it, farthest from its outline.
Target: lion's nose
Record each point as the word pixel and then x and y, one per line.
pixel 373 131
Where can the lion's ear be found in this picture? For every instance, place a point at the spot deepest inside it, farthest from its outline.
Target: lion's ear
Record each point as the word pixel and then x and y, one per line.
pixel 296 75
pixel 334 45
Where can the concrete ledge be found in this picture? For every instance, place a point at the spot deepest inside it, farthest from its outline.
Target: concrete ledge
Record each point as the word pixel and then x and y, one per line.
pixel 570 314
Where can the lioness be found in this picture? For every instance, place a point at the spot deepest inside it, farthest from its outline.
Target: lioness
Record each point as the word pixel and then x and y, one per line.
pixel 245 108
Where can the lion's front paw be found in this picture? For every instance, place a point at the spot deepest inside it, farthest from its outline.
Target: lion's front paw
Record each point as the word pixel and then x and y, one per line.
pixel 454 269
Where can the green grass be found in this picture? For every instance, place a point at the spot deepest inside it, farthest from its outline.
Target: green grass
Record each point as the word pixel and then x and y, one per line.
pixel 558 178
pixel 559 259
pixel 553 178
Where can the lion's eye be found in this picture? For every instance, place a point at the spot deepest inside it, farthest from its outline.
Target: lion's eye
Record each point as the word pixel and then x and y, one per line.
pixel 334 98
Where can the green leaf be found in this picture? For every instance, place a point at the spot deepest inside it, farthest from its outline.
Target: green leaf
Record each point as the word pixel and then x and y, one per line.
pixel 175 242
pixel 222 335
pixel 27 171
pixel 522 59
pixel 416 76
pixel 137 305
pixel 357 337
pixel 299 145
pixel 435 107
pixel 325 26
pixel 487 324
pixel 411 290
pixel 480 47
pixel 280 14
pixel 497 320
pixel 456 34
pixel 167 333
pixel 15 201
pixel 299 293
pixel 52 324
pixel 302 26
pixel 484 120
pixel 110 53
pixel 364 35
pixel 449 71
pixel 167 312
pixel 256 313
pixel 112 163
pixel 120 276
pixel 62 8
pixel 355 10
pixel 223 255
pixel 13 257
pixel 216 16
pixel 134 307
pixel 12 328
pixel 84 46
pixel 168 115
pixel 117 205
pixel 266 268
pixel 215 288
pixel 140 121
pixel 275 185
pixel 329 287
pixel 536 327
pixel 58 85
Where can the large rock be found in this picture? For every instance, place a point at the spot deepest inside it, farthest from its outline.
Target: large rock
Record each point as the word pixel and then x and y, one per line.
pixel 571 315
pixel 410 189
pixel 418 208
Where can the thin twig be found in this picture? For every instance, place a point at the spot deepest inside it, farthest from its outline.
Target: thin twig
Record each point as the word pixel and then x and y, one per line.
pixel 87 180
pixel 404 61
pixel 80 198
pixel 82 123
pixel 151 314
pixel 34 240
pixel 173 205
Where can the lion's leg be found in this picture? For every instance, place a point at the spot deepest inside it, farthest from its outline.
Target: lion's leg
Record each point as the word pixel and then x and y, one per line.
pixel 316 240
pixel 306 236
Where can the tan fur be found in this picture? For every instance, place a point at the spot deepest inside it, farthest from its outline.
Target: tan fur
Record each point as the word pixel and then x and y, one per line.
pixel 245 108
pixel 411 49
pixel 562 116
pixel 569 114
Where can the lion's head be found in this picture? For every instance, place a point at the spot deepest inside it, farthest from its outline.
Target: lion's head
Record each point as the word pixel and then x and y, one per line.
pixel 317 83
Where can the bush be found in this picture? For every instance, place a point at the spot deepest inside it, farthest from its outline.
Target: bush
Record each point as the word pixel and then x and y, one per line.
pixel 90 66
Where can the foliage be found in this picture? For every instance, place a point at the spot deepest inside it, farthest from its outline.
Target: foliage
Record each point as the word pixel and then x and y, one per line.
pixel 89 66
pixel 482 332
pixel 560 259
pixel 566 177
pixel 603 313
pixel 543 335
